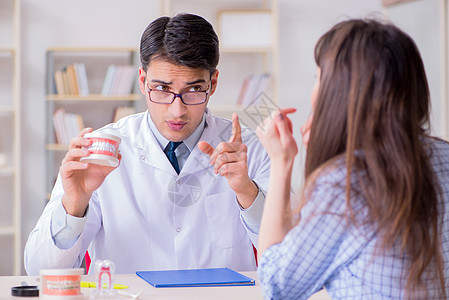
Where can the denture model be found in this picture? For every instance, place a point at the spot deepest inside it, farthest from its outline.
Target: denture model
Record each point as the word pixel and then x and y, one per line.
pixel 103 150
pixel 61 283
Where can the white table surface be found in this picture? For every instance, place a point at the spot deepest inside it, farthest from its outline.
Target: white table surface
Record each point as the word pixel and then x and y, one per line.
pixel 136 284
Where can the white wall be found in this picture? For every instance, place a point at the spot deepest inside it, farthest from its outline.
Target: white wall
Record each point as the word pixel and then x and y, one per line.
pixel 303 22
pixel 83 23
pixel 426 33
pixel 301 25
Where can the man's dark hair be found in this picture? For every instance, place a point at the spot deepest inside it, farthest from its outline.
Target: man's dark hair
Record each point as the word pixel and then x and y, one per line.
pixel 185 39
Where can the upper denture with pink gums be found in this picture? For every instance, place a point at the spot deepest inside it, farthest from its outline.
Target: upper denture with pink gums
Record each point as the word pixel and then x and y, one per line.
pixel 104 146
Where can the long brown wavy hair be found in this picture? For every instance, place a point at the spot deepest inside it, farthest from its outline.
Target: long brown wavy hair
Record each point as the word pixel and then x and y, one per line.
pixel 374 97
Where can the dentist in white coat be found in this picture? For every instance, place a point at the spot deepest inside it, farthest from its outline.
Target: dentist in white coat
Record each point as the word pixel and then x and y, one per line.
pixel 143 214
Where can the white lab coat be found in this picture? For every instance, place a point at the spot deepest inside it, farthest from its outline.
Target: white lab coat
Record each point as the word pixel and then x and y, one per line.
pixel 146 217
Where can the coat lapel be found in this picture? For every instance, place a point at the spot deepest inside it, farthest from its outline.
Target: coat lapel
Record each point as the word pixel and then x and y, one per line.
pixel 148 149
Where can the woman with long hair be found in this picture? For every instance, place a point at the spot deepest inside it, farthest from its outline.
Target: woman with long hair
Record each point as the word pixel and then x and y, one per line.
pixel 372 221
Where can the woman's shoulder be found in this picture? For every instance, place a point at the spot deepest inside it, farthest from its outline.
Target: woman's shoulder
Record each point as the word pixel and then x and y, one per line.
pixel 327 184
pixel 436 141
pixel 438 151
pixel 331 171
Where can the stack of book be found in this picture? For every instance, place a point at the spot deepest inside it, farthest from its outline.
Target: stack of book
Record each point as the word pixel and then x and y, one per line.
pixel 72 80
pixel 67 125
pixel 119 80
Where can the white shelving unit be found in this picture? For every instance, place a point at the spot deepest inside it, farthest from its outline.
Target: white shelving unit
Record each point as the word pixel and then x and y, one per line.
pixel 239 62
pixel 97 110
pixel 10 215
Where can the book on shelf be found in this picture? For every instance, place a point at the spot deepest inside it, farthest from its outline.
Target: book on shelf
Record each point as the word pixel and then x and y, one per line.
pixel 58 123
pixel 65 91
pixel 127 79
pixel 107 82
pixel 59 82
pixel 252 87
pixel 81 75
pixel 71 76
pixel 72 80
pixel 67 125
pixel 119 80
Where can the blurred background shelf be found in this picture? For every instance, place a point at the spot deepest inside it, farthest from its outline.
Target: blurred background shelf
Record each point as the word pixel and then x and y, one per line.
pixel 69 111
pixel 94 97
pixel 10 140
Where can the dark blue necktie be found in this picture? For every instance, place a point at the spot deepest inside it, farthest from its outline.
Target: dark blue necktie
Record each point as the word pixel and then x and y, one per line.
pixel 171 155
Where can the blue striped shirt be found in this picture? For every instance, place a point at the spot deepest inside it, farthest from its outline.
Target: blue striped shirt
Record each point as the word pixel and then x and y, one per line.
pixel 323 250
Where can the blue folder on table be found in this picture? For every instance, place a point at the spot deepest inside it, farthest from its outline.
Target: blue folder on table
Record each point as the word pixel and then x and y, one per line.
pixel 195 277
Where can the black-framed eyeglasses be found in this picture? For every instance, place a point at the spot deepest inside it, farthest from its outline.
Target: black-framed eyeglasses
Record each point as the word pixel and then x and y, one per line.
pixel 167 97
